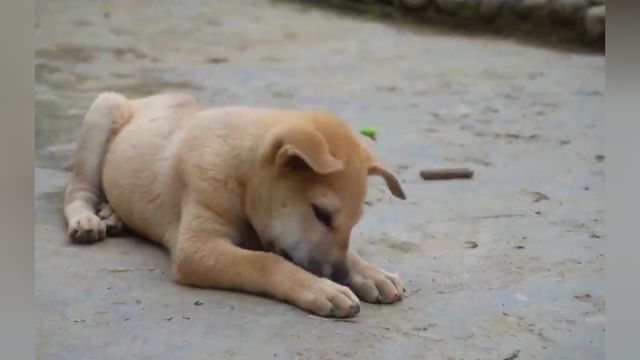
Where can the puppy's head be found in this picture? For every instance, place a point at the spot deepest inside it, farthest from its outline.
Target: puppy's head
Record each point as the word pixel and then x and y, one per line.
pixel 313 179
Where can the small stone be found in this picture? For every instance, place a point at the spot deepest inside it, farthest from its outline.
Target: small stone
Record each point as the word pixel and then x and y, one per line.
pixel 599 157
pixel 389 88
pixel 198 303
pixel 217 60
pixel 594 21
pixel 583 297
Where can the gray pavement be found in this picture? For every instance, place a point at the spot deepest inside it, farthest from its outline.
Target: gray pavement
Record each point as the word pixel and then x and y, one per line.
pixel 494 269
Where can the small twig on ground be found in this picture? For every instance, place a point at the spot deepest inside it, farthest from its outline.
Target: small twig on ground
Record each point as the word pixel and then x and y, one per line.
pixel 446 174
pixel 471 244
pixel 498 216
pixel 122 270
pixel 332 319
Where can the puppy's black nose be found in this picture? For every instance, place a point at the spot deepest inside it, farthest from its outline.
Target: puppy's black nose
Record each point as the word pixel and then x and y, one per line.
pixel 340 273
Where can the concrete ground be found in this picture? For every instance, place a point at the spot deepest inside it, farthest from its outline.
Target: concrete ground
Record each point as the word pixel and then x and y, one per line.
pixel 506 265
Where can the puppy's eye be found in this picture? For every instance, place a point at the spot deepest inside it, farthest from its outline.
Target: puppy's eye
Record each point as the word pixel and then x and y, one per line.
pixel 322 215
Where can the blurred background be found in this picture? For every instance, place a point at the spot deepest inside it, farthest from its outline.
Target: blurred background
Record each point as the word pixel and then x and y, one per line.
pixel 508 264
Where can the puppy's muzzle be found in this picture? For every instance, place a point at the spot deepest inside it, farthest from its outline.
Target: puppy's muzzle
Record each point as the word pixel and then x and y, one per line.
pixel 337 272
pixel 340 273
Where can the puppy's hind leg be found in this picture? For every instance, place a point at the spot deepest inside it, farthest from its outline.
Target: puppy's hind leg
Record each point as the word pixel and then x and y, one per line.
pixel 108 113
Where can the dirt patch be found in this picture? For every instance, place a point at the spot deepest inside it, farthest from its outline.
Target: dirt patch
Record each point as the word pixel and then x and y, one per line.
pixel 68 53
pixel 80 54
pixel 404 247
pixel 57 78
pixel 596 302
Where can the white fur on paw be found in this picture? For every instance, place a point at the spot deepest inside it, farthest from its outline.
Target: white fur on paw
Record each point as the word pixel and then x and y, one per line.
pixel 87 228
pixel 110 219
pixel 326 298
pixel 104 211
pixel 375 285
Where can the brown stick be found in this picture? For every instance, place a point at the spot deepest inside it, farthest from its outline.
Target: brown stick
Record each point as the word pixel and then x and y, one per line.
pixel 446 174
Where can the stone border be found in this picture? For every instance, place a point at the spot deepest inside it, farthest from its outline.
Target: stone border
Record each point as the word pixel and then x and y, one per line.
pixel 558 21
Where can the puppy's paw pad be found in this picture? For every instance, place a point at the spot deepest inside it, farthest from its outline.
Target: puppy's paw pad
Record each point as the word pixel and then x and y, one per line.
pixel 87 228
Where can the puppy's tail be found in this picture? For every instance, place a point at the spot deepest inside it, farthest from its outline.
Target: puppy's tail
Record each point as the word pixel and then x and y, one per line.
pixel 106 116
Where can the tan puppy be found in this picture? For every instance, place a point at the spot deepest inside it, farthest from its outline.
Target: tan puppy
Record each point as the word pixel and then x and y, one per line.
pixel 216 185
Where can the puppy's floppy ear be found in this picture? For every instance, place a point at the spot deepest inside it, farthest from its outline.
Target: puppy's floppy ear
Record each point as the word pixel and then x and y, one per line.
pixel 296 144
pixel 373 168
pixel 392 182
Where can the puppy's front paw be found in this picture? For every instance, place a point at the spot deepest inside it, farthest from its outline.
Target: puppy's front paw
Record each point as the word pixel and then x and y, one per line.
pixel 375 285
pixel 86 228
pixel 326 298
